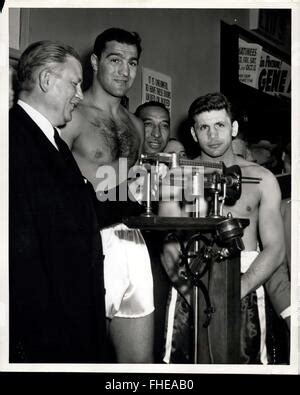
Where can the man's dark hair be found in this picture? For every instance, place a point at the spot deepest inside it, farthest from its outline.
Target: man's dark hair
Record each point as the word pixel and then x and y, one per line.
pixel 39 54
pixel 209 102
pixel 151 103
pixel 121 36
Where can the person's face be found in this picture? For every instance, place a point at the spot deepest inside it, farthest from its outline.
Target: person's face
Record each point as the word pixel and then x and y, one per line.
pixel 116 69
pixel 213 131
pixel 175 147
pixel 157 129
pixel 66 90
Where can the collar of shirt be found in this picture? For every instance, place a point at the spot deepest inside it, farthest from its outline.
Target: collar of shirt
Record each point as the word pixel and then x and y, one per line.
pixel 42 122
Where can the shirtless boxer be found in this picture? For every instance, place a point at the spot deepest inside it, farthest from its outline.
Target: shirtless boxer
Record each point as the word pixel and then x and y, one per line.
pixel 213 128
pixel 101 132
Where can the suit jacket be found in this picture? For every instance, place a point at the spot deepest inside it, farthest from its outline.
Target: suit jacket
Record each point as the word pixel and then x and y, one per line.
pixel 56 286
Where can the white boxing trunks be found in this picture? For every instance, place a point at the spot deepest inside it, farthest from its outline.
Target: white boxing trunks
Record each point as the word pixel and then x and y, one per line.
pixel 127 273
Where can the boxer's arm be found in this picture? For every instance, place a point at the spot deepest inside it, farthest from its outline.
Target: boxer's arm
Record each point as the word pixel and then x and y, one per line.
pixel 271 234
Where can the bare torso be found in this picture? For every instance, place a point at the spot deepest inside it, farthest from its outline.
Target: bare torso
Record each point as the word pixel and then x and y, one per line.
pixel 97 138
pixel 248 204
pixel 260 203
pixel 246 207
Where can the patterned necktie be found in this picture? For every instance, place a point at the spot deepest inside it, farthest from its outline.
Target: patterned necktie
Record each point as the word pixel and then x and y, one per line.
pixel 66 153
pixel 61 145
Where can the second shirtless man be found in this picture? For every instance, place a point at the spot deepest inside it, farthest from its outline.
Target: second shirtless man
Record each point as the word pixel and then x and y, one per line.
pixel 212 127
pixel 101 132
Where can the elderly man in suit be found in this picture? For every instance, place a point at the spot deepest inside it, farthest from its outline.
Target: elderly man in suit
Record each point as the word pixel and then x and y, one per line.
pixel 57 309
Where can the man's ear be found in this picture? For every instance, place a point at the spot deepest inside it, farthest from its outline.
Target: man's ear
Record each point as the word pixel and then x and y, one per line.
pixel 94 62
pixel 234 129
pixel 45 78
pixel 193 133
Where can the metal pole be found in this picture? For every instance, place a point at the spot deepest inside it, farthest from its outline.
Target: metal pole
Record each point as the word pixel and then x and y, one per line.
pixel 148 212
pixel 196 212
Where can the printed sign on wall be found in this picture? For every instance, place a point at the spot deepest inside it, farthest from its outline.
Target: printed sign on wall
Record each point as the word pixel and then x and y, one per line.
pixel 274 76
pixel 249 59
pixel 157 87
pixel 263 71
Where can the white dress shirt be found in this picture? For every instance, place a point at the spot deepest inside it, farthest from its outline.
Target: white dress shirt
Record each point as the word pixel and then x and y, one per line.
pixel 43 123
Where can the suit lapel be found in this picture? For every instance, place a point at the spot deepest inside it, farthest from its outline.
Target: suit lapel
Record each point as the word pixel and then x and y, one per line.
pixel 48 153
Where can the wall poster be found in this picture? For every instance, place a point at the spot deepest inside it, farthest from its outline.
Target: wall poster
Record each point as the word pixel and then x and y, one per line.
pixel 157 87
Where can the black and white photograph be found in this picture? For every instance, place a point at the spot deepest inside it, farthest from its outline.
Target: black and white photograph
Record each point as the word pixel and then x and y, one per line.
pixel 150 198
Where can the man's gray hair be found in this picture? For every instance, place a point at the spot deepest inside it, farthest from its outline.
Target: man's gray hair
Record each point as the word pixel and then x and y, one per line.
pixel 39 54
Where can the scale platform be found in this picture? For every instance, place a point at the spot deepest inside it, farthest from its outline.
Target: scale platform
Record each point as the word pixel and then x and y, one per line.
pixel 155 222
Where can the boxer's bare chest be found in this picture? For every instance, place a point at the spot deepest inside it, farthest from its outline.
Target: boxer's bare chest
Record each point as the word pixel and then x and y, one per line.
pixel 104 139
pixel 248 204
